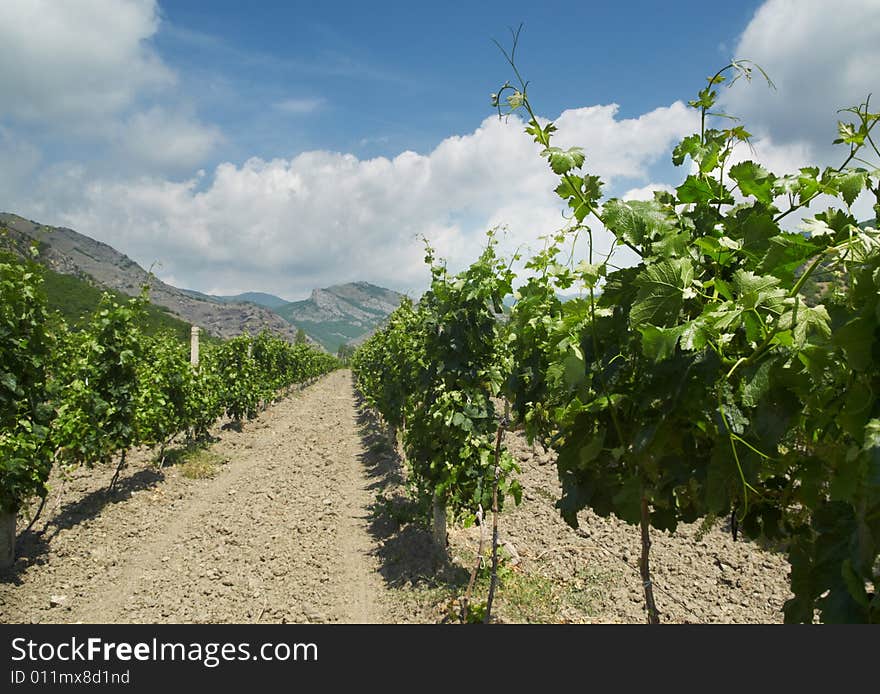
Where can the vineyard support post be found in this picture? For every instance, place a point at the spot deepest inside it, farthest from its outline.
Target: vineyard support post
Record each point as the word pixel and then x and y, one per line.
pixel 440 521
pixel 194 346
pixel 470 587
pixel 653 614
pixel 7 539
pixel 493 580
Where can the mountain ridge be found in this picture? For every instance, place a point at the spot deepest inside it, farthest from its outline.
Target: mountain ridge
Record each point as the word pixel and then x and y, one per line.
pixel 269 301
pixel 331 316
pixel 69 252
pixel 342 313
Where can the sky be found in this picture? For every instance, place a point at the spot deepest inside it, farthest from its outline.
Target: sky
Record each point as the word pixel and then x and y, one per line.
pixel 283 146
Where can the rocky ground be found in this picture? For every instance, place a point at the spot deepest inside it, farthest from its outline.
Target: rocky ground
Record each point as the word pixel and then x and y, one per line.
pixel 303 516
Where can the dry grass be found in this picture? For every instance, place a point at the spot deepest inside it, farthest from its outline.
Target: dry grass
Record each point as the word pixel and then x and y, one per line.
pixel 200 464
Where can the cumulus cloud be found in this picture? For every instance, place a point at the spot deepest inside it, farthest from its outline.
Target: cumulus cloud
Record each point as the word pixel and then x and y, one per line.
pixel 77 60
pixel 288 225
pixel 167 140
pixel 625 148
pixel 646 192
pixel 87 71
pixel 822 56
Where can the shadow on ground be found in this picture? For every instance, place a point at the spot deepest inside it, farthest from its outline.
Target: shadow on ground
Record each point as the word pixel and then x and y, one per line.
pixel 32 546
pixel 405 545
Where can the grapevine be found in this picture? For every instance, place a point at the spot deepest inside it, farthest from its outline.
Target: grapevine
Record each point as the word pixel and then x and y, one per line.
pixel 703 381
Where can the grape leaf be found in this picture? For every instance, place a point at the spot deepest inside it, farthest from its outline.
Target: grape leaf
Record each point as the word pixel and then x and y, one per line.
pixel 661 292
pixel 754 180
pixel 636 221
pixel 659 343
pixel 563 161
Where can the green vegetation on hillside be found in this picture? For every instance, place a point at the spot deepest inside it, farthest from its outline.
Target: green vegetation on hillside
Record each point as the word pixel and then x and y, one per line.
pixel 76 300
pixel 331 334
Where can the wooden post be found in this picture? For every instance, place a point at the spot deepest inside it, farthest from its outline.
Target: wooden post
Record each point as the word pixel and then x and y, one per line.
pixel 440 521
pixel 651 607
pixel 493 580
pixel 194 346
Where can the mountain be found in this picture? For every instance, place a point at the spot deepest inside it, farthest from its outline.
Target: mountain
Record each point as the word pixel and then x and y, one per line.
pixel 343 313
pixel 67 252
pixel 76 298
pixel 269 301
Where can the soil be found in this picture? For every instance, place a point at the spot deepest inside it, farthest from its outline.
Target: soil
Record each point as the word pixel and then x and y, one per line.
pixel 307 519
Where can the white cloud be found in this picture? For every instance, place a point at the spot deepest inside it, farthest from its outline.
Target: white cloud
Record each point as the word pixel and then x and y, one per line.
pixel 77 60
pixel 380 140
pixel 625 148
pixel 288 225
pixel 87 72
pixel 20 160
pixel 781 158
pixel 822 56
pixel 167 140
pixel 646 192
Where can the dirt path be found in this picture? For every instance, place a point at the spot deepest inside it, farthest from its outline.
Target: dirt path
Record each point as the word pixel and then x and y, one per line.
pixel 308 519
pixel 279 534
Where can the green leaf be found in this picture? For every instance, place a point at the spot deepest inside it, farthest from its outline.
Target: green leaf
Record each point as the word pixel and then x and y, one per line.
pixel 694 190
pixel 849 134
pixel 756 383
pixel 855 584
pixel 661 292
pixel 636 221
pixel 754 181
pixel 564 161
pixel 694 336
pixel 628 501
pixel 702 191
pixel 565 191
pixel 851 184
pixel 590 272
pixel 856 338
pixel 575 370
pixel 9 381
pixel 784 255
pixel 856 410
pixel 515 490
pixel 603 402
pixel 659 343
pixel 691 146
pixel 808 319
pixel 592 448
pixel 515 100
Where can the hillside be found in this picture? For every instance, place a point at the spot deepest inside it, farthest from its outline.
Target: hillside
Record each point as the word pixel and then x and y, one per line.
pixel 341 314
pixel 67 252
pixel 75 298
pixel 269 301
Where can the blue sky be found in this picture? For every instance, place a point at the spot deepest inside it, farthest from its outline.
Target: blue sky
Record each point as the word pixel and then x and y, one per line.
pixel 379 78
pixel 280 146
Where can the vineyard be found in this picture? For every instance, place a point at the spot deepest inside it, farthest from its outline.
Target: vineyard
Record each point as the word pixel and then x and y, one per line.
pixel 711 380
pixel 719 397
pixel 85 398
